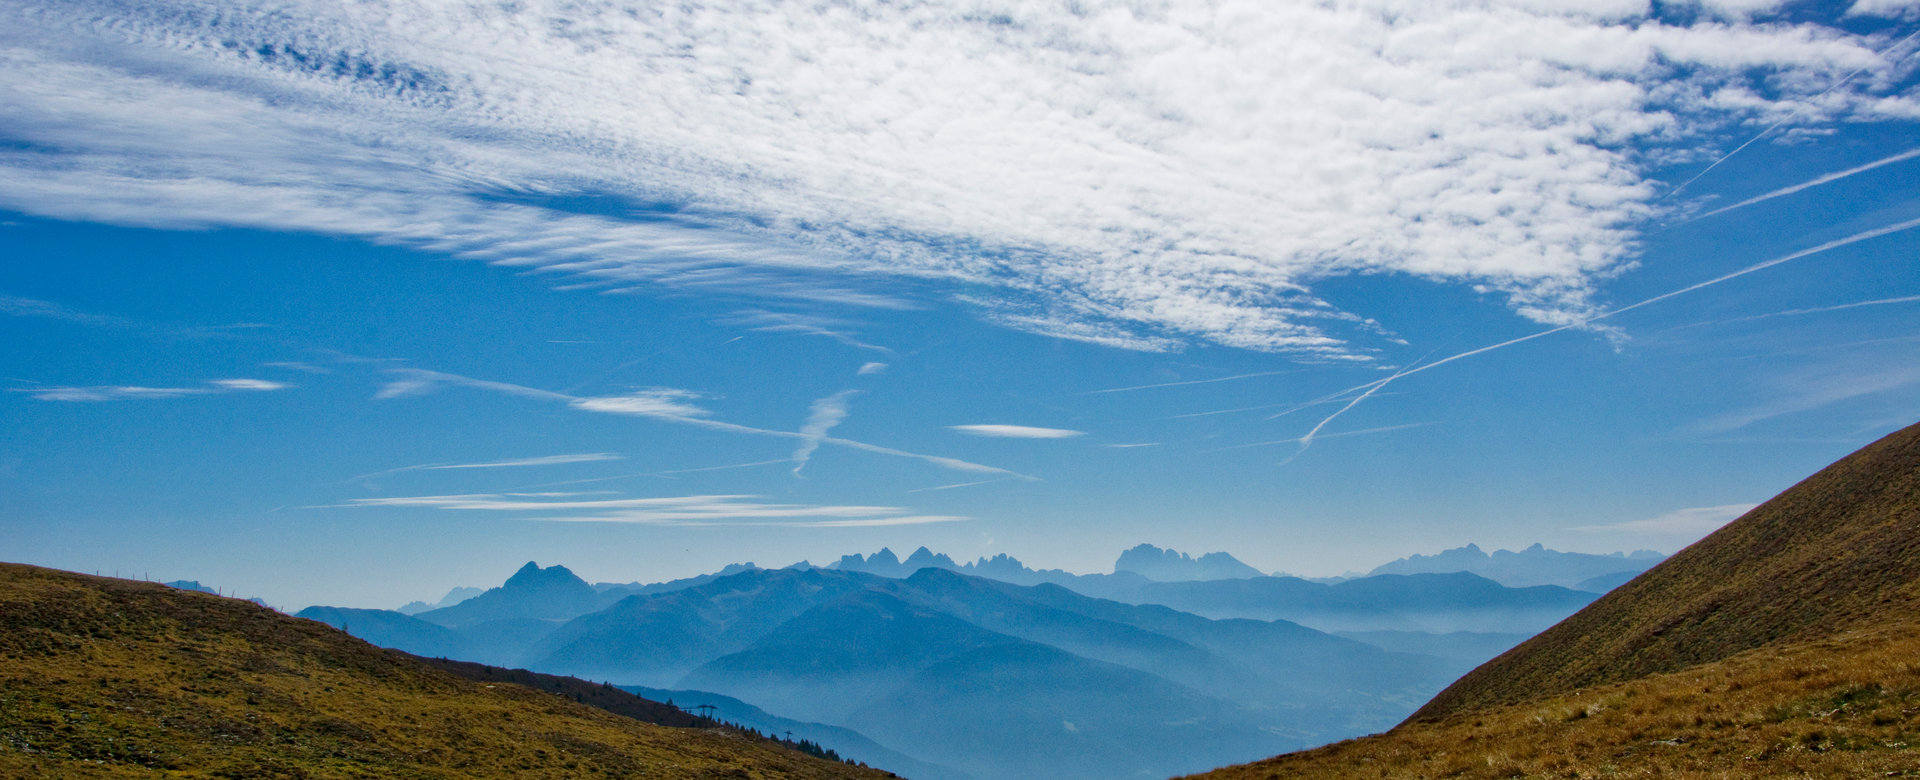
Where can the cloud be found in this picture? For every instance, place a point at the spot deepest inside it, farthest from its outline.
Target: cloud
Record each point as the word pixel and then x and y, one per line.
pixel 248 384
pixel 1189 382
pixel 136 393
pixel 1693 522
pixel 1315 435
pixel 1145 176
pixel 658 402
pixel 1815 182
pixel 1015 431
pixel 1892 9
pixel 869 369
pixel 295 365
pixel 545 460
pixel 673 511
pixel 826 413
pixel 665 404
pixel 805 325
pixel 1813 389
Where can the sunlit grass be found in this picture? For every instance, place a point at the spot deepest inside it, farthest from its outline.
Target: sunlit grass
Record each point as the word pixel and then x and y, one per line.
pixel 1846 706
pixel 110 678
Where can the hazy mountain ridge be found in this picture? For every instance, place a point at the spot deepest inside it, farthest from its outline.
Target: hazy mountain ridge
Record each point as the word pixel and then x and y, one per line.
pixel 454 596
pixel 835 644
pixel 1781 645
pixel 1535 565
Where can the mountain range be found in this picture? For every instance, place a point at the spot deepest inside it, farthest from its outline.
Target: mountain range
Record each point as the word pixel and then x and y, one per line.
pixel 1196 669
pixel 1534 565
pixel 1781 645
pixel 1158 690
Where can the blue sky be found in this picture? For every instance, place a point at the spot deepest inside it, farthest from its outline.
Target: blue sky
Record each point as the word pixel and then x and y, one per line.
pixel 352 303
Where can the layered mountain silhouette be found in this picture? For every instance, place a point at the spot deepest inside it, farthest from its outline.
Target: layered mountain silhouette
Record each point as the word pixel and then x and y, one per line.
pixel 1780 645
pixel 1162 691
pixel 117 678
pixel 1535 565
pixel 453 597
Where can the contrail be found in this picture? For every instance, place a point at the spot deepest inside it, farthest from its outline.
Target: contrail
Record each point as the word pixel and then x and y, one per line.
pixel 1373 387
pixel 1770 128
pixel 1191 382
pixel 1906 155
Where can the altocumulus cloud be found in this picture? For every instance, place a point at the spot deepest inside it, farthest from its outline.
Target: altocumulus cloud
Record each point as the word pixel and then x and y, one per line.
pixel 1141 174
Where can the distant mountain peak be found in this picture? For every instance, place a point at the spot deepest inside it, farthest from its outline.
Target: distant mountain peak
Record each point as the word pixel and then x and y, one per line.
pixel 531 574
pixel 1155 563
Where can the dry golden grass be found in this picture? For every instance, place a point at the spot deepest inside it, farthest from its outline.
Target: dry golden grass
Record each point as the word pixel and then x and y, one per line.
pixel 1840 547
pixel 112 678
pixel 1784 645
pixel 1843 707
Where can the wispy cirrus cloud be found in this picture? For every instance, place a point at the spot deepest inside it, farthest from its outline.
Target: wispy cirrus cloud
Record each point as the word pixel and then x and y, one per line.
pixel 1144 176
pixel 96 393
pixel 665 404
pixel 676 511
pixel 801 324
pixel 826 413
pixel 1692 522
pixel 544 460
pixel 1015 431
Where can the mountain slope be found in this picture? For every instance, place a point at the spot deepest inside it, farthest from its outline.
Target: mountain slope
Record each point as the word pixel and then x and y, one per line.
pixel 1783 645
pixel 115 678
pixel 1838 548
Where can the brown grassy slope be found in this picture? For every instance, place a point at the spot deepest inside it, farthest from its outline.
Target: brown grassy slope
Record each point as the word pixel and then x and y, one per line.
pixel 1784 645
pixel 113 678
pixel 1839 548
pixel 1844 706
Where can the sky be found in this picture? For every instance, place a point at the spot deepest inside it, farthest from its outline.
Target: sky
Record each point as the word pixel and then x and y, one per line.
pixel 354 302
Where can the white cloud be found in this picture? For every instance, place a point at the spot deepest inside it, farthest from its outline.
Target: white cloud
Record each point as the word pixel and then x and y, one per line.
pixel 680 511
pixel 1015 431
pixel 658 402
pixel 1692 523
pixel 136 392
pixel 826 413
pixel 1143 175
pixel 1893 9
pixel 544 460
pixel 249 384
pixel 869 369
pixel 666 404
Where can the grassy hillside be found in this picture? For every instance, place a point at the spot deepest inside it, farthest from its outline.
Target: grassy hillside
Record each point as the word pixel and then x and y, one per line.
pixel 1842 706
pixel 112 678
pixel 1841 547
pixel 1784 645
